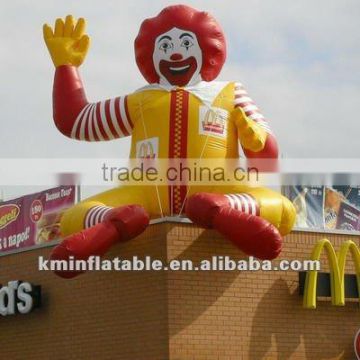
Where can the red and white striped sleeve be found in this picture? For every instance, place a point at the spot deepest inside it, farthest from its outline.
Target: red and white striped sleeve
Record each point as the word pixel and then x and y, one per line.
pixel 78 119
pixel 104 120
pixel 244 101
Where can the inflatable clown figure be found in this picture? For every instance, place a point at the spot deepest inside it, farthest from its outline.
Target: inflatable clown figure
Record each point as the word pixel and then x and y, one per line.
pixel 179 52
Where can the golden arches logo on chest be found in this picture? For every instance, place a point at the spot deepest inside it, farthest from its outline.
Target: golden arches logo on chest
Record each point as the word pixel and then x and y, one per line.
pixel 148 148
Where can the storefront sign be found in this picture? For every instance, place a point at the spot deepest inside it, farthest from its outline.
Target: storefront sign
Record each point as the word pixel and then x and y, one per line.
pixel 19 297
pixel 337 272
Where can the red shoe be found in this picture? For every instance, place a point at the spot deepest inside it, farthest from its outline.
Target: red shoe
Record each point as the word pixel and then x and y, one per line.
pixel 252 234
pixel 120 224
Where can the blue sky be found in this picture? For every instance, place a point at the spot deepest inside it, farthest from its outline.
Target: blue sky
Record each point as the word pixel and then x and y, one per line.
pixel 299 60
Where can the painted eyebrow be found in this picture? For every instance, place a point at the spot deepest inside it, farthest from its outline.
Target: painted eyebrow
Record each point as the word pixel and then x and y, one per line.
pixel 165 37
pixel 185 34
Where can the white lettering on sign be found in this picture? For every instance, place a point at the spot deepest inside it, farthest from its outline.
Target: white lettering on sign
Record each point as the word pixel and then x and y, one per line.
pixel 18 297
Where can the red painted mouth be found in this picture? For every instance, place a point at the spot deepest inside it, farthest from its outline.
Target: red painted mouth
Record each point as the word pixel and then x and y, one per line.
pixel 178 73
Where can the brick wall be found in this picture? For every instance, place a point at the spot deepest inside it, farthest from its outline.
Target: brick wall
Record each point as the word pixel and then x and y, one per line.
pixel 177 315
pixel 251 315
pixel 99 315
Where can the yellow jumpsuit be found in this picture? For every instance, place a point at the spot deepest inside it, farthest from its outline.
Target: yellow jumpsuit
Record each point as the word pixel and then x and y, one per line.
pixel 173 124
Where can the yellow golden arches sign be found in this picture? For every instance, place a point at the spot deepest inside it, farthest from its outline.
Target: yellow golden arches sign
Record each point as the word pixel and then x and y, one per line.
pixel 337 272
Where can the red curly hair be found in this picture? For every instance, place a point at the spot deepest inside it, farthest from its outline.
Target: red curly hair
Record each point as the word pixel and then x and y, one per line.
pixel 210 36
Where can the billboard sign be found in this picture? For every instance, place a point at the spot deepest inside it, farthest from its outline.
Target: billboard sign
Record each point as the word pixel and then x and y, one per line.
pixel 326 208
pixel 33 219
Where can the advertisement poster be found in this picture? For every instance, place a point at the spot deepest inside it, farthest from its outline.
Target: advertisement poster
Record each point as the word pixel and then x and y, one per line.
pixel 349 193
pixel 308 202
pixel 341 212
pixel 33 219
pixel 327 208
pixel 333 200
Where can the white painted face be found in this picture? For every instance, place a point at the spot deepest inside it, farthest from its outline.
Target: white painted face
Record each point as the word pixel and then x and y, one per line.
pixel 177 58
